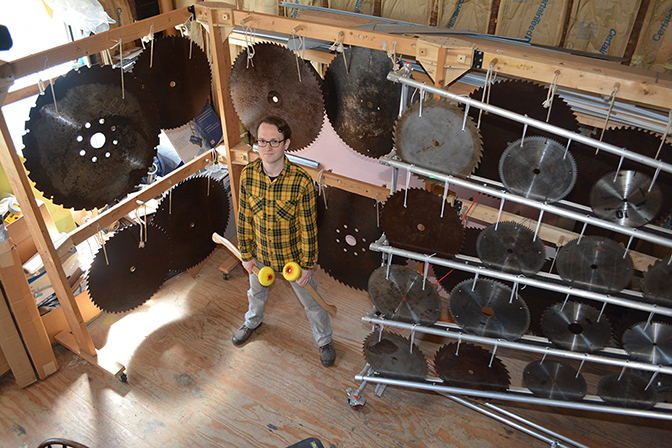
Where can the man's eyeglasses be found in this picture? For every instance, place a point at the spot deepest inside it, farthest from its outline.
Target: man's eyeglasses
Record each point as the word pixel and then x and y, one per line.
pixel 273 143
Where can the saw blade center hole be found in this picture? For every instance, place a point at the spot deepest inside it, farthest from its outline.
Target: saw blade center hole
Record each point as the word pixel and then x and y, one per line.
pixel 421 227
pixel 487 311
pixel 132 269
pixel 172 84
pixel 593 266
pixel 575 328
pixel 97 140
pixel 274 98
pixel 536 171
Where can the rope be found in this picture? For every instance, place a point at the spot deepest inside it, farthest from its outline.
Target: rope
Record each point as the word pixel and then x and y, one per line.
pixel 321 190
pixel 51 82
pixel 249 45
pixel 121 64
pixel 548 104
pixel 392 54
pixel 149 38
pixel 301 49
pixel 611 106
pixel 338 47
pixel 489 80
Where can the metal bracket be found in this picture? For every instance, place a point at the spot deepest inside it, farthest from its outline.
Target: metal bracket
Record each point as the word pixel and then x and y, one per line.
pixel 478 59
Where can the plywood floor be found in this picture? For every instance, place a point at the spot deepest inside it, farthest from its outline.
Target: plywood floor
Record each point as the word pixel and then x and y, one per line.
pixel 189 386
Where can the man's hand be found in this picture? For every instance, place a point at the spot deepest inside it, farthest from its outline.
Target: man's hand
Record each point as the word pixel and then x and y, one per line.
pixel 306 275
pixel 249 265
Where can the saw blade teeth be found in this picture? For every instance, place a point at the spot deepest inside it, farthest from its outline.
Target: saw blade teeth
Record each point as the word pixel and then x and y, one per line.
pixel 467 366
pixel 260 89
pixel 577 327
pixel 627 390
pixel 488 308
pixel 649 342
pixel 394 356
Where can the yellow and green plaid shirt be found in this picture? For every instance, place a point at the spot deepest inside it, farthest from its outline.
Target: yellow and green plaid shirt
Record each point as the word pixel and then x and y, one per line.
pixel 277 220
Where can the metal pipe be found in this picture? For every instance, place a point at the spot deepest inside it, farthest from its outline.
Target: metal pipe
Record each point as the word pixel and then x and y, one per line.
pixel 489 190
pixel 534 425
pixel 553 440
pixel 462 263
pixel 396 77
pixel 659 413
pixel 545 349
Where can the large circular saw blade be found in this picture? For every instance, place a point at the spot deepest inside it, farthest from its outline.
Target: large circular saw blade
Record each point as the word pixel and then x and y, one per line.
pixel 346 226
pixel 271 84
pixel 190 213
pixel 657 283
pixel 524 98
pixel 92 146
pixel 595 264
pixel 649 342
pixel 411 220
pixel 129 268
pixel 625 198
pixel 435 135
pixel 467 366
pixel 538 168
pixel 627 390
pixel 593 166
pixel 177 73
pixel 511 247
pixel 488 308
pixel 361 103
pixel 576 327
pixel 401 294
pixel 393 356
pixel 555 380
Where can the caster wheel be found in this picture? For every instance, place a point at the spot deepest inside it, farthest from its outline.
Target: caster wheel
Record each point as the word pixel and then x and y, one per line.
pixel 356 407
pixel 123 378
pixel 226 276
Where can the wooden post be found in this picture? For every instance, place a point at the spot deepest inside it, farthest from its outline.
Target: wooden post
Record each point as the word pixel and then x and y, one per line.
pixel 45 247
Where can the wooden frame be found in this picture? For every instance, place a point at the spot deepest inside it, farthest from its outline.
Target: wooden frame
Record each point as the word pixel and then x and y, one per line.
pixel 444 58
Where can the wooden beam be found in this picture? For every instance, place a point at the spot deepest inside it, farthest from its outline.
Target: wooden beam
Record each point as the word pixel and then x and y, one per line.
pixel 91 45
pixel 221 61
pixel 20 185
pixel 132 202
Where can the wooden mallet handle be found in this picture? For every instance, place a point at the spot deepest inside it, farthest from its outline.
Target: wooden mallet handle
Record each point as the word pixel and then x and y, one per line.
pixel 217 238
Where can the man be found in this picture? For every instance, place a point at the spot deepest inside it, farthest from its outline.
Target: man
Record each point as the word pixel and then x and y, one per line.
pixel 277 224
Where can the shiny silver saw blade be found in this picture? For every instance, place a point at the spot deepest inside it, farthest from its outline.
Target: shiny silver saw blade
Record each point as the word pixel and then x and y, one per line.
pixel 555 380
pixel 595 264
pixel 511 247
pixel 538 168
pixel 649 342
pixel 576 327
pixel 400 293
pixel 488 308
pixel 625 198
pixel 657 283
pixel 435 135
pixel 627 390
pixel 392 355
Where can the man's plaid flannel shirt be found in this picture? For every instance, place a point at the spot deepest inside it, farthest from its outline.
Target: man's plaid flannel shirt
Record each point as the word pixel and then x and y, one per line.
pixel 277 220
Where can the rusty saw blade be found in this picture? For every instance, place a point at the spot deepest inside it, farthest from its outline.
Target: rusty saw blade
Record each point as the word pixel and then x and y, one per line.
pixel 271 84
pixel 93 146
pixel 467 366
pixel 393 356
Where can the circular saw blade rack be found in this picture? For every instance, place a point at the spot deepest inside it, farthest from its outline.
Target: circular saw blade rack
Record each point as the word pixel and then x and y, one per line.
pixel 528 343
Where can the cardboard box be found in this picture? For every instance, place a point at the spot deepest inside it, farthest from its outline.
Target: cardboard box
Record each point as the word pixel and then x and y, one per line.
pixel 18 231
pixel 13 353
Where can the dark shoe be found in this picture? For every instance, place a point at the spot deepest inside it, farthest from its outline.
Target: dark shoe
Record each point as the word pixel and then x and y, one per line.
pixel 242 335
pixel 328 354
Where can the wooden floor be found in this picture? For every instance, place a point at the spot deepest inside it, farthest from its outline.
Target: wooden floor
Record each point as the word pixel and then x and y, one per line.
pixel 188 386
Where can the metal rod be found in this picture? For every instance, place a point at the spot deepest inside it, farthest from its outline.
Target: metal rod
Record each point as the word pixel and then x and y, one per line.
pixel 501 419
pixel 533 345
pixel 519 397
pixel 395 77
pixel 536 426
pixel 502 193
pixel 541 280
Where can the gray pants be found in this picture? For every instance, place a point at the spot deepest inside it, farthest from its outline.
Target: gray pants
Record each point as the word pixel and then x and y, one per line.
pixel 318 318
